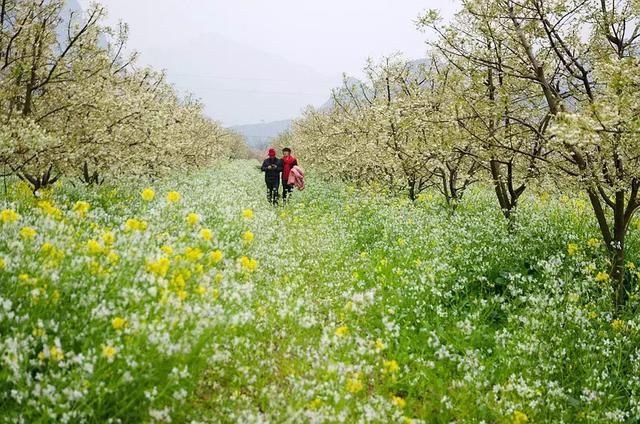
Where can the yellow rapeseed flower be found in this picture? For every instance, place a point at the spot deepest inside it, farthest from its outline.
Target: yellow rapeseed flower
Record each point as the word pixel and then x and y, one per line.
pixel 167 249
pixel 572 249
pixel 201 290
pixel 248 236
pixel 247 214
pixel 133 224
pixel 206 234
pixel 182 295
pixel 342 331
pixel 9 216
pixel 56 354
pixel 391 366
pixel 315 404
pixel 173 197
pixel 159 267
pixel 602 277
pixel 520 417
pixel 193 218
pixel 354 385
pixel 108 238
pixel 593 243
pixel 398 401
pixel 109 352
pixel 380 345
pixel 49 209
pixel 81 208
pixel 2 264
pixel 248 264
pixel 94 247
pixel 113 257
pixel 618 324
pixel 193 254
pixel 216 256
pixel 118 323
pixel 27 233
pixel 148 194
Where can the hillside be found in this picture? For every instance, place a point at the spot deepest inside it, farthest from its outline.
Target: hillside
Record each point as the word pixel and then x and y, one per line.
pixel 261 135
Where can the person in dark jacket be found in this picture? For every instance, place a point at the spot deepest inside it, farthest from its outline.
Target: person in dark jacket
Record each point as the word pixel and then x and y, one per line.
pixel 288 162
pixel 272 167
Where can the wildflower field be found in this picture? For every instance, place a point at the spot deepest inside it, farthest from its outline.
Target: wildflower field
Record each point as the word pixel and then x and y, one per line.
pixel 191 299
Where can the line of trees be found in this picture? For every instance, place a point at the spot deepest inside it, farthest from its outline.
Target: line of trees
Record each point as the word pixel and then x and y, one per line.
pixel 73 101
pixel 513 91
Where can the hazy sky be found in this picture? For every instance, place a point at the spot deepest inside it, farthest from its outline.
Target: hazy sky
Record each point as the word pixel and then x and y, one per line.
pixel 265 60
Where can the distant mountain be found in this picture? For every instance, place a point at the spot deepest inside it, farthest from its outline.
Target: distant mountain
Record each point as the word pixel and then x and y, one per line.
pixel 238 82
pixel 260 136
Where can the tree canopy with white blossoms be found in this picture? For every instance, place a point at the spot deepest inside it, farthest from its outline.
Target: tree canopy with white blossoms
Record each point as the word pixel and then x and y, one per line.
pixel 70 96
pixel 514 91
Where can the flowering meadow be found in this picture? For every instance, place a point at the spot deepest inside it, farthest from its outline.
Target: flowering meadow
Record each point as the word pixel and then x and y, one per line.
pixel 190 299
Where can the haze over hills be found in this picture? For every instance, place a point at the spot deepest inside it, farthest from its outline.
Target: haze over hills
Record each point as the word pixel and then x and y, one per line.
pixel 233 79
pixel 259 136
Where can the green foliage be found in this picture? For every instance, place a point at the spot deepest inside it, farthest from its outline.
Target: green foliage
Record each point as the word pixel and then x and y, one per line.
pixel 360 306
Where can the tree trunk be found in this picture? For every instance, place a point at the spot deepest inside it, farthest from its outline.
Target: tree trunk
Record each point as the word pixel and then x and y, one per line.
pixel 620 288
pixel 412 189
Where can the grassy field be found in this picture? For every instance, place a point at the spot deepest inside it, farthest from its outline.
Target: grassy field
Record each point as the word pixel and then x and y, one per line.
pixel 196 300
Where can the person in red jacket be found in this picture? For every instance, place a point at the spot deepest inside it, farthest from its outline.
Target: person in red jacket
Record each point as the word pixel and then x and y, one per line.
pixel 288 162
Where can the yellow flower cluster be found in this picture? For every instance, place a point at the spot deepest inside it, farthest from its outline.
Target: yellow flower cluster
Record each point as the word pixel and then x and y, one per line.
pixel 118 323
pixel 9 216
pixel 247 214
pixel 342 331
pixel 248 236
pixel 94 247
pixel 193 218
pixel 159 267
pixel 248 264
pixel 27 233
pixel 398 401
pixel 173 197
pixel 81 208
pixel 206 234
pixel 354 384
pixel 193 254
pixel 520 417
pixel 148 194
pixel 56 354
pixel 49 209
pixel 133 224
pixel 108 238
pixel 602 277
pixel 109 352
pixel 618 325
pixel 216 256
pixel 391 366
pixel 572 249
